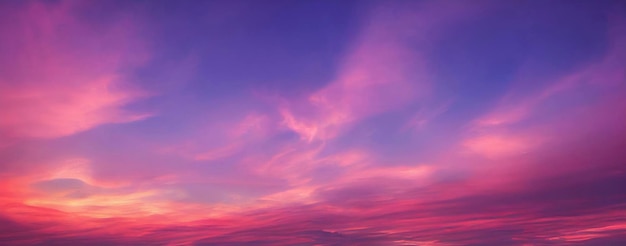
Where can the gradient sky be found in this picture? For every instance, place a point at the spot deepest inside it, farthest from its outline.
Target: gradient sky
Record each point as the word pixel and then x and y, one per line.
pixel 313 122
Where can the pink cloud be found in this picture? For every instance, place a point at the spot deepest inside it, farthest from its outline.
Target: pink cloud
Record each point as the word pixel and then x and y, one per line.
pixel 384 69
pixel 503 192
pixel 523 141
pixel 218 139
pixel 501 145
pixel 57 83
pixel 607 75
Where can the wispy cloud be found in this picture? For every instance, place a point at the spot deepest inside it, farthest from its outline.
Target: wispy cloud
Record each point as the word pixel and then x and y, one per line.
pixel 381 145
pixel 63 76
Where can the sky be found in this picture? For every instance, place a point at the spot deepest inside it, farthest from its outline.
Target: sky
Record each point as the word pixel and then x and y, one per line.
pixel 433 123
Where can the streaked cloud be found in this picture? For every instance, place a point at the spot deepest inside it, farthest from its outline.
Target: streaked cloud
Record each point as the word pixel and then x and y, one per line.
pixel 312 123
pixel 56 82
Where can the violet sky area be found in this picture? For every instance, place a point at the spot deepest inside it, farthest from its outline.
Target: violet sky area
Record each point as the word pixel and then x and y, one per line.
pixel 313 122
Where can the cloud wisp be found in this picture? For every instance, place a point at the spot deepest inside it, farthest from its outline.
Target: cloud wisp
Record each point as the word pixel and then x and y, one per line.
pixel 424 123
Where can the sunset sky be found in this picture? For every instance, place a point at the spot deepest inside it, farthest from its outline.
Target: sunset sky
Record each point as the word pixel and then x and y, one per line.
pixel 313 122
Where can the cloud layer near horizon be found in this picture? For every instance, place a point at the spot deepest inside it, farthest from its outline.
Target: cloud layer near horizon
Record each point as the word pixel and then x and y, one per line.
pixel 312 123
